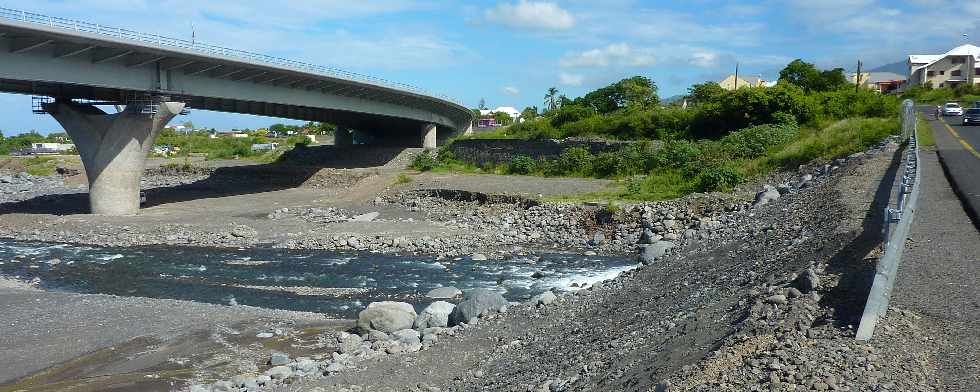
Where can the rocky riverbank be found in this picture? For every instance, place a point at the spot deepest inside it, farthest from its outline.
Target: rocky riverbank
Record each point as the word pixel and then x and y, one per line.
pixel 771 304
pixel 444 222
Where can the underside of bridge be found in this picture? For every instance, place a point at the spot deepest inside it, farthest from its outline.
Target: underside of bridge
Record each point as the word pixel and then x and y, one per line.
pixel 82 66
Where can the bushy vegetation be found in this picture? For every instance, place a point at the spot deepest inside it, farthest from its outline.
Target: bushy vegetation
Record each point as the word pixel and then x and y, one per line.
pixel 719 140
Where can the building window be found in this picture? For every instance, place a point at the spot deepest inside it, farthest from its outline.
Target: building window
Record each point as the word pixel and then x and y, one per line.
pixel 976 71
pixel 956 73
pixel 942 72
pixel 958 60
pixel 931 73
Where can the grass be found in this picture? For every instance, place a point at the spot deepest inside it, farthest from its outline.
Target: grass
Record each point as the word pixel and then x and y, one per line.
pixel 403 179
pixel 499 133
pixel 838 139
pixel 924 133
pixel 40 166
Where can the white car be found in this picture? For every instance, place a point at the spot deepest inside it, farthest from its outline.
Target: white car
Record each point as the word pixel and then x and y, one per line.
pixel 952 109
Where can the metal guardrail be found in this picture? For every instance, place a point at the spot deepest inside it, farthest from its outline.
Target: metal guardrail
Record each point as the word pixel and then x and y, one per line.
pixel 159 40
pixel 895 228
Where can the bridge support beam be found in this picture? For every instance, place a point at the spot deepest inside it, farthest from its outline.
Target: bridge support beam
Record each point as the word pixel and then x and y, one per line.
pixel 428 136
pixel 113 149
pixel 343 136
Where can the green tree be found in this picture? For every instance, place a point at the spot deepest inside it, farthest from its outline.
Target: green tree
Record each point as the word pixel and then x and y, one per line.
pixel 704 93
pixel 503 118
pixel 809 78
pixel 635 92
pixel 529 113
pixel 551 99
pixel 800 73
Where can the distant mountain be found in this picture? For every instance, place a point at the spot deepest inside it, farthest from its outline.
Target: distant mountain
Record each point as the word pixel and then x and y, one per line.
pixel 900 68
pixel 673 98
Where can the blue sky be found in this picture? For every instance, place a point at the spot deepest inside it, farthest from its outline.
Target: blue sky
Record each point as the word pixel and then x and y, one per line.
pixel 509 52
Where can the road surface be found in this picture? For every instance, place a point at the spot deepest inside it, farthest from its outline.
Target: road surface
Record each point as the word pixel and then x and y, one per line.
pixel 959 148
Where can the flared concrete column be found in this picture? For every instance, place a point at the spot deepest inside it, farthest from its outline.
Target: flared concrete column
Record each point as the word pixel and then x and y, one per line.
pixel 428 136
pixel 113 149
pixel 343 136
pixel 468 130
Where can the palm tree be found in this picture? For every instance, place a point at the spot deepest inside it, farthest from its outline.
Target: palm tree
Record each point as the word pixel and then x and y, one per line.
pixel 551 99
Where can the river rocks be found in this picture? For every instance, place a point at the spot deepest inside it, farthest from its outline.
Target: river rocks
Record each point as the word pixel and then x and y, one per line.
pixel 652 252
pixel 365 217
pixel 598 239
pixel 809 281
pixel 278 358
pixel 478 257
pixel 476 303
pixel 545 298
pixel 434 315
pixel 306 366
pixel 386 316
pixel 777 299
pixel 406 336
pixel 444 293
pixel 767 194
pixel 648 237
pixel 348 343
pixel 279 372
pixel 243 231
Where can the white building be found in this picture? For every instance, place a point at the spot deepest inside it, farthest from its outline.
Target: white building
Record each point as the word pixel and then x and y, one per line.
pixel 957 66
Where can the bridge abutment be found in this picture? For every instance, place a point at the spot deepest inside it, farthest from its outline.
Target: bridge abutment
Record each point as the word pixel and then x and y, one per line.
pixel 428 136
pixel 113 148
pixel 343 136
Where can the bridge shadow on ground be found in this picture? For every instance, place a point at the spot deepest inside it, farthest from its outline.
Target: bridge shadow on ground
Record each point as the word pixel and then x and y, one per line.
pixel 856 273
pixel 294 169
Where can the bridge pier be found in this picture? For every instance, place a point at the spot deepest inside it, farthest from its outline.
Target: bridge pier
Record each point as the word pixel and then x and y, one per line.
pixel 428 136
pixel 343 136
pixel 113 148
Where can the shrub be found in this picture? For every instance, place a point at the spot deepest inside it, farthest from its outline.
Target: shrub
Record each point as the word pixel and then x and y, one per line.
pixel 575 160
pixel 424 161
pixel 719 178
pixel 753 142
pixel 522 165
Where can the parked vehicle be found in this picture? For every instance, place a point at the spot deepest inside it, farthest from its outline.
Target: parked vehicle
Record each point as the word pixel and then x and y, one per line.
pixel 971 116
pixel 976 104
pixel 952 109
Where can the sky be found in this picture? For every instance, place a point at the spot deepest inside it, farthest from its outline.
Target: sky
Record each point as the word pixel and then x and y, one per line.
pixel 510 52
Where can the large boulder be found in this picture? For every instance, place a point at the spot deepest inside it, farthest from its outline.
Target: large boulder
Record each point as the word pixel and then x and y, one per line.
pixel 444 292
pixel 648 237
pixel 477 302
pixel 651 252
pixel 386 316
pixel 767 194
pixel 406 336
pixel 434 315
pixel 545 298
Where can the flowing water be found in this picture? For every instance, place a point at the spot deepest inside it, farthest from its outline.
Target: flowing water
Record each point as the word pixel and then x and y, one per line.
pixel 336 283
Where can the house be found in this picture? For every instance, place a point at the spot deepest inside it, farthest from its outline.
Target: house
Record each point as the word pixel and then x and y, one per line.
pixel 882 82
pixel 957 66
pixel 265 146
pixel 487 119
pixel 730 83
pixel 50 148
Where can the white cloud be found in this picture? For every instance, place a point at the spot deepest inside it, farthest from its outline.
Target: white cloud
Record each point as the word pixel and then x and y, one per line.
pixel 568 79
pixel 531 15
pixel 510 90
pixel 704 58
pixel 614 55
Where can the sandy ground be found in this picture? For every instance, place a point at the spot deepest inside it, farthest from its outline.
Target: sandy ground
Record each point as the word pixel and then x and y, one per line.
pixel 77 336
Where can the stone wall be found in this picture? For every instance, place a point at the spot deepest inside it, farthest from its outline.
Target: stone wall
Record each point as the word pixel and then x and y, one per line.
pixel 495 151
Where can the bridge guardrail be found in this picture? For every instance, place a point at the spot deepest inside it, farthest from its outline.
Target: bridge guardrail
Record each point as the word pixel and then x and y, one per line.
pixel 115 32
pixel 895 228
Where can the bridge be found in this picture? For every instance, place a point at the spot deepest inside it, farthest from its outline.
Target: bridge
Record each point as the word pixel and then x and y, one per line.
pixel 75 66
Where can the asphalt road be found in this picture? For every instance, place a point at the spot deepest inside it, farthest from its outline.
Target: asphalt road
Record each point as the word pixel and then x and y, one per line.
pixel 959 148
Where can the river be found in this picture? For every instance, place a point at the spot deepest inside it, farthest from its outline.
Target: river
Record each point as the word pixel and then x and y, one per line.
pixel 338 284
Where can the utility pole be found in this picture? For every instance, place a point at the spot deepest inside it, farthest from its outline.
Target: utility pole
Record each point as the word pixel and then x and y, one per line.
pixel 857 83
pixel 736 77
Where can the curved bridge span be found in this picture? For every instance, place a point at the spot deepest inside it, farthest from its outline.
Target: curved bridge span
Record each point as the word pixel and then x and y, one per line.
pixel 78 63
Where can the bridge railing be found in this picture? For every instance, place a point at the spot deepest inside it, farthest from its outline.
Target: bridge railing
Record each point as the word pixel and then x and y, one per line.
pixel 895 228
pixel 159 40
